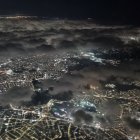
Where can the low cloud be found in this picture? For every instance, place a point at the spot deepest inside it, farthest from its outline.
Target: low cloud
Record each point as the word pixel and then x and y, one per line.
pixel 16 96
pixel 80 116
pixel 134 121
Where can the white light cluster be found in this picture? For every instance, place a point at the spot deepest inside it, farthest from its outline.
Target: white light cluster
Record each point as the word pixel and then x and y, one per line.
pixel 91 56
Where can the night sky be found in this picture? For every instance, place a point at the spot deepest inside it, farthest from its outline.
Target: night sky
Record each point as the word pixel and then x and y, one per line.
pixel 126 11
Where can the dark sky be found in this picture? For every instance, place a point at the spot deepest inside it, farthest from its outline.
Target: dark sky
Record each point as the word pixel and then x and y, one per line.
pixel 106 10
